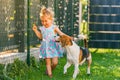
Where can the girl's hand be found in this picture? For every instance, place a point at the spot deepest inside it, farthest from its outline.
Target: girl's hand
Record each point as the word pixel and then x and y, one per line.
pixel 34 28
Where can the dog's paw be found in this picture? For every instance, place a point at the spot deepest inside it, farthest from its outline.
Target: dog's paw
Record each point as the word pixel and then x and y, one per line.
pixel 75 74
pixel 74 77
pixel 64 72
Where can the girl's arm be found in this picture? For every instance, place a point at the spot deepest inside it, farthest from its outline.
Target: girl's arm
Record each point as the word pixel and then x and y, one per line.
pixel 38 34
pixel 57 30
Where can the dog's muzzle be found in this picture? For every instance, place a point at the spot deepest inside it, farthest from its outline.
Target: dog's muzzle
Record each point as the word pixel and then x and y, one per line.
pixel 57 38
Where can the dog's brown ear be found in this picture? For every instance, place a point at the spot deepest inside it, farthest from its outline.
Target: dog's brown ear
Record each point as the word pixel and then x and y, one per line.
pixel 69 42
pixel 65 40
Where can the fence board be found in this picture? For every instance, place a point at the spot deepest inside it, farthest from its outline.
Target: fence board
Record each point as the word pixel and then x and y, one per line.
pixel 104 24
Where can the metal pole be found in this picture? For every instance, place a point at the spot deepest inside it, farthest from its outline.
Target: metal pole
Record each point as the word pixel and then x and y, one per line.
pixel 28 31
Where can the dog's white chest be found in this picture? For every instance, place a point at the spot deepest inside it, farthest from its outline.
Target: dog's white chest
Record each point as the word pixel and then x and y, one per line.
pixel 73 53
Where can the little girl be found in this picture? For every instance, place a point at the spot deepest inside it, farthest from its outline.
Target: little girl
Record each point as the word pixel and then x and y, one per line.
pixel 50 50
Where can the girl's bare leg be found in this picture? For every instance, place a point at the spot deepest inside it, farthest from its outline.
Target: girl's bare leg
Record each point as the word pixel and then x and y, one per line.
pixel 54 62
pixel 48 66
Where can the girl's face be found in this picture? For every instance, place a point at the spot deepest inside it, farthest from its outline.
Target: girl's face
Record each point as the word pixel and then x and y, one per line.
pixel 46 21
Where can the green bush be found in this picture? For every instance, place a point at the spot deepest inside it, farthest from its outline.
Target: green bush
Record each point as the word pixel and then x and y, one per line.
pixel 1 69
pixel 2 77
pixel 18 68
pixel 33 62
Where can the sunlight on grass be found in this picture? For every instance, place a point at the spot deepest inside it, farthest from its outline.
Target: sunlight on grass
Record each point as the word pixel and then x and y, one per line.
pixel 105 66
pixel 116 73
pixel 105 50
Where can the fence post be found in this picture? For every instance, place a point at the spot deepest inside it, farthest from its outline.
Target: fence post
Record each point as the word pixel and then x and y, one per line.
pixel 28 32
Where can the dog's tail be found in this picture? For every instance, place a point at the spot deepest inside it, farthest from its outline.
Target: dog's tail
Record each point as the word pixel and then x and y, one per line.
pixel 85 43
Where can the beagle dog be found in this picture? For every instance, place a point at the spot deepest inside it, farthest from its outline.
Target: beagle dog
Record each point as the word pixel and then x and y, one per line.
pixel 76 55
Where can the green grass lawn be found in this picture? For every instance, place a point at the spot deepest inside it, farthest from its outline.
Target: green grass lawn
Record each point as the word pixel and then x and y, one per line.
pixel 105 66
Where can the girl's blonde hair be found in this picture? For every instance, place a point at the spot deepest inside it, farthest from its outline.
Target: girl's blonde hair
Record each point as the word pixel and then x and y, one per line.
pixel 46 12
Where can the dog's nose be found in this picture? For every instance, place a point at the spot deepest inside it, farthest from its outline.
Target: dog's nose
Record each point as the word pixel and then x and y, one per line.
pixel 57 38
